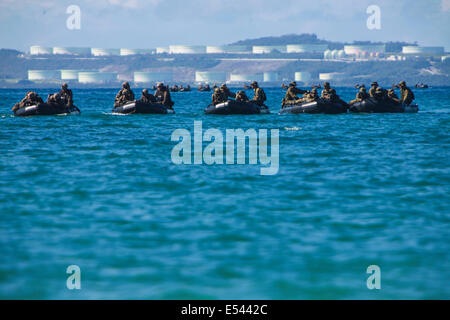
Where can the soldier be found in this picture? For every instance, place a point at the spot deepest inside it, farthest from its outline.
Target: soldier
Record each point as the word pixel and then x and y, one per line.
pixel 241 96
pixel 218 97
pixel 379 94
pixel 373 88
pixel 147 97
pixel 361 95
pixel 23 103
pixel 66 95
pixel 312 96
pixel 162 96
pixel 226 92
pixel 124 95
pixel 326 92
pixel 55 99
pixel 259 96
pixel 407 96
pixel 391 95
pixel 291 94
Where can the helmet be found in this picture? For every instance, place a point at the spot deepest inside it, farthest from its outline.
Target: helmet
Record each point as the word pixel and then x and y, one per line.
pixel 402 83
pixel 159 85
pixel 216 90
pixel 374 84
pixel 293 84
pixel 326 84
pixel 254 83
pixel 125 84
pixel 223 85
pixel 379 90
pixel 145 91
pixel 64 85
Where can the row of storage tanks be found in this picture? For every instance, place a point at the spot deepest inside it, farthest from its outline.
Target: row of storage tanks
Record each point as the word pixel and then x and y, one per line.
pixel 85 76
pixel 353 50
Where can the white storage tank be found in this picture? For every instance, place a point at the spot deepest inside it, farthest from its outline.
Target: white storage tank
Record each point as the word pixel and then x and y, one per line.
pixel 70 75
pixel 131 52
pixel 42 75
pixel 228 49
pixel 268 49
pixel 302 76
pixel 97 77
pixel 241 77
pixel 327 54
pixel 187 49
pixel 77 51
pixel 37 50
pixel 357 49
pixel 207 76
pixel 309 48
pixel 152 76
pixel 99 52
pixel 341 54
pixel 423 50
pixel 331 76
pixel 270 77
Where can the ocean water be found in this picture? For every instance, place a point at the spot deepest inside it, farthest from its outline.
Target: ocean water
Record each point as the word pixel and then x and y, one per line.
pixel 100 191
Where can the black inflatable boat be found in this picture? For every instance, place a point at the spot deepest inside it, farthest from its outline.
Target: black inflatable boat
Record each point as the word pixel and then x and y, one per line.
pixel 235 107
pixel 45 109
pixel 319 106
pixel 142 107
pixel 372 105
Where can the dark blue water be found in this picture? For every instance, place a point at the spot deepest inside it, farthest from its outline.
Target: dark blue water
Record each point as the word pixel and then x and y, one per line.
pixel 100 191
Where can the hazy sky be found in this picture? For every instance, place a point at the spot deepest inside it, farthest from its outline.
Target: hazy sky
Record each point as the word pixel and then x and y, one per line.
pixel 151 23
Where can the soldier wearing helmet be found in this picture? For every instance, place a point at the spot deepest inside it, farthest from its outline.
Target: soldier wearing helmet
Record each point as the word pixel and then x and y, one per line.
pixel 162 96
pixel 66 95
pixel 259 96
pixel 124 95
pixel 406 94
pixel 241 96
pixel 291 94
pixel 361 95
pixel 226 92
pixel 147 97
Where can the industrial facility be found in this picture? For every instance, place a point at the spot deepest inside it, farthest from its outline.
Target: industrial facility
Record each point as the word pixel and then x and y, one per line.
pixel 242 77
pixel 210 77
pixel 310 48
pixel 416 50
pixel 100 52
pixel 131 52
pixel 187 49
pixel 148 77
pixel 97 77
pixel 43 75
pixel 268 49
pixel 78 51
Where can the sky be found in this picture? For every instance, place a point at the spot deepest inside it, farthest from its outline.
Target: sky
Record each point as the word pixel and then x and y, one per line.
pixel 152 23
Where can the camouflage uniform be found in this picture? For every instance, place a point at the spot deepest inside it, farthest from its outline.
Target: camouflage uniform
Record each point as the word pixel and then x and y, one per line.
pixel 407 96
pixel 66 95
pixel 380 94
pixel 373 88
pixel 360 96
pixel 24 102
pixel 327 91
pixel 147 97
pixel 291 94
pixel 391 95
pixel 162 96
pixel 312 96
pixel 226 92
pixel 260 96
pixel 218 97
pixel 124 95
pixel 241 96
pixel 55 99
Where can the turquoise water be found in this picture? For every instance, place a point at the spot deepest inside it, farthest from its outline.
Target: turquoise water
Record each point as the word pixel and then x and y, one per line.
pixel 100 191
